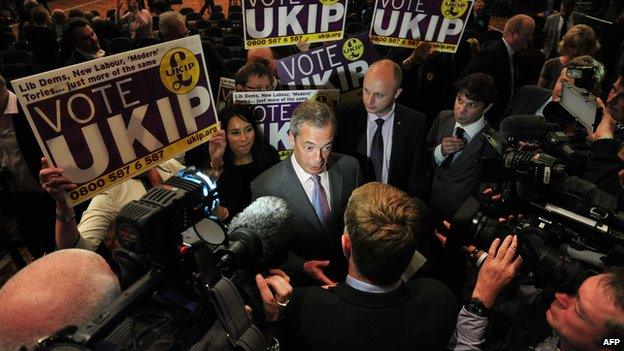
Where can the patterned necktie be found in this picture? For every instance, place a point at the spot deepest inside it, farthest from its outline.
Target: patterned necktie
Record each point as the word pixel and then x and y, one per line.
pixel 319 199
pixel 377 150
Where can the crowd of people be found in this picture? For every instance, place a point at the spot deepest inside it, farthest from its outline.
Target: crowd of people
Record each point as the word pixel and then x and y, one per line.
pixel 372 185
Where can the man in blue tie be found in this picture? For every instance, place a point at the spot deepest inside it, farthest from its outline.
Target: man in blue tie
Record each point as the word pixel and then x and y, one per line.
pixel 316 184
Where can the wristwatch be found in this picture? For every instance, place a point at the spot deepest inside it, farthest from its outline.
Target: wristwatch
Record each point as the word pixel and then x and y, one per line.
pixel 476 307
pixel 65 218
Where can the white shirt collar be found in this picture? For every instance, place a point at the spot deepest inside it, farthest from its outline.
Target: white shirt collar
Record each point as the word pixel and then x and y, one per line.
pixel 98 54
pixel 301 174
pixel 510 50
pixel 473 128
pixel 372 117
pixel 370 288
pixel 11 108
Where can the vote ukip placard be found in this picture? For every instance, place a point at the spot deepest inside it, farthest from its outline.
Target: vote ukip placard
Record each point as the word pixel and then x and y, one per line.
pixel 404 23
pixel 273 110
pixel 106 120
pixel 286 22
pixel 338 65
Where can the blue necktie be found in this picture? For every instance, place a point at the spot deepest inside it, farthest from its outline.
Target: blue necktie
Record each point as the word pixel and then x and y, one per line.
pixel 377 150
pixel 319 199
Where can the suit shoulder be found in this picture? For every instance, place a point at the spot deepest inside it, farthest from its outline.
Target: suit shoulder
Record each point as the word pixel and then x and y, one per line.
pixel 270 175
pixel 431 289
pixel 409 115
pixel 344 160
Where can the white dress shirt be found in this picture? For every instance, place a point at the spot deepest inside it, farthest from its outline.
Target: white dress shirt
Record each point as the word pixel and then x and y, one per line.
pixel 308 184
pixel 386 134
pixel 469 132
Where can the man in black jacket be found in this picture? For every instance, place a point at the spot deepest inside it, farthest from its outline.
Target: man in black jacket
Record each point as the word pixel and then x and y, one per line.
pixel 374 309
pixel 497 60
pixel 387 138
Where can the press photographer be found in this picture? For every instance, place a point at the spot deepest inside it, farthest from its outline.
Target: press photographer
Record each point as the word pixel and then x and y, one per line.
pixel 583 320
pixel 514 314
pixel 193 277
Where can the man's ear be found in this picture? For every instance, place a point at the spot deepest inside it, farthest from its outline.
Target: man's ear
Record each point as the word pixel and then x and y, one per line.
pixel 397 93
pixel 346 244
pixel 291 138
pixel 239 87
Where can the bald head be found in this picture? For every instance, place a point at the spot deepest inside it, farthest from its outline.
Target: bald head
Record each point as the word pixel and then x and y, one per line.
pixel 382 85
pixel 518 31
pixel 387 70
pixel 66 287
pixel 172 25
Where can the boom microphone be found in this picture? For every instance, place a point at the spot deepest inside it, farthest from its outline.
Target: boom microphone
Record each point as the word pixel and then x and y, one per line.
pixel 524 127
pixel 260 234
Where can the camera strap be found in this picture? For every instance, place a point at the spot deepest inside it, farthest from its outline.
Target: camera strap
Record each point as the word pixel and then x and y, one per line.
pixel 237 323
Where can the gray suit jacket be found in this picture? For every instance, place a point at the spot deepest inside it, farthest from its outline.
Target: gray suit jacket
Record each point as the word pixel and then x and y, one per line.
pixel 312 240
pixel 454 182
pixel 552 33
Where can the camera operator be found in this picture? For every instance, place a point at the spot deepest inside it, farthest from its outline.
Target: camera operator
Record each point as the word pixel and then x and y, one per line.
pixel 98 219
pixel 66 287
pixel 605 165
pixel 582 321
pixel 534 100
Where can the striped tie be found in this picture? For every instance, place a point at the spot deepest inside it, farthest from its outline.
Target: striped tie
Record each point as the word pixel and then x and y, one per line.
pixel 319 199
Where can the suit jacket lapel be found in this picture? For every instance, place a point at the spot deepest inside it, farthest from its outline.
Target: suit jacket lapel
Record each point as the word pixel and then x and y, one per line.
pixel 359 130
pixel 475 142
pixel 335 186
pixel 397 141
pixel 303 205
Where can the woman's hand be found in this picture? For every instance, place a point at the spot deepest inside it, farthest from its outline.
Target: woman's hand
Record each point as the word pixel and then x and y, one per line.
pixel 216 147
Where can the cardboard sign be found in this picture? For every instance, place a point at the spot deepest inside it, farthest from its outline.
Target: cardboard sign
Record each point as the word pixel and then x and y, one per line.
pixel 107 120
pixel 273 110
pixel 404 23
pixel 286 22
pixel 339 65
pixel 226 87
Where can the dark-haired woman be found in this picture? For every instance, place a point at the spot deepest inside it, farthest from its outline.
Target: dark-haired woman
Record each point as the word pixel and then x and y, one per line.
pixel 238 153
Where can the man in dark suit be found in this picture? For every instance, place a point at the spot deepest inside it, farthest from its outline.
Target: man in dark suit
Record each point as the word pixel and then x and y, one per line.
pixel 387 138
pixel 316 184
pixel 497 60
pixel 557 25
pixel 85 41
pixel 458 144
pixel 374 309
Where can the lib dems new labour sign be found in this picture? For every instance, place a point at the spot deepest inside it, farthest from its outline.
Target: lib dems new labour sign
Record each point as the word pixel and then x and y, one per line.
pixel 406 22
pixel 286 22
pixel 106 120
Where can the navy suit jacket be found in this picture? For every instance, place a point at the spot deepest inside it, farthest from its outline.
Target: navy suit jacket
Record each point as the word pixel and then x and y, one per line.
pixel 408 158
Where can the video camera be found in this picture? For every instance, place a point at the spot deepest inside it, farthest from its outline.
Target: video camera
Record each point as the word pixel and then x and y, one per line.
pixel 191 271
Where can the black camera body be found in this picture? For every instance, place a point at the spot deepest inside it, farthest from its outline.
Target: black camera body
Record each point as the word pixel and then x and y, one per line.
pixel 175 256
